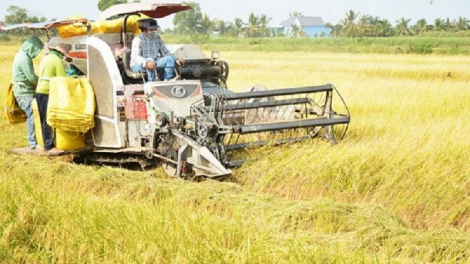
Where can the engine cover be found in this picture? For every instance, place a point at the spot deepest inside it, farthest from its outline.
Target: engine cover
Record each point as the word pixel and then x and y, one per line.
pixel 172 96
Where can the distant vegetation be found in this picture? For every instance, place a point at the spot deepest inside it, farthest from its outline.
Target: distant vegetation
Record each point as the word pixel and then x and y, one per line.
pixel 396 45
pixel 355 33
pixel 353 25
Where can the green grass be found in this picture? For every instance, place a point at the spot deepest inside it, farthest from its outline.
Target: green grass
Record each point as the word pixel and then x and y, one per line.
pixel 395 190
pixel 448 45
pixel 444 43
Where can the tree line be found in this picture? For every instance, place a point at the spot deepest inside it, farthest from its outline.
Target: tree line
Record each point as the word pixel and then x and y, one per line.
pixel 195 22
pixel 354 25
pixel 18 15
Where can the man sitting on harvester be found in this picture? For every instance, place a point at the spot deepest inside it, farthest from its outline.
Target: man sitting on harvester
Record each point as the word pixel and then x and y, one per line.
pixel 146 49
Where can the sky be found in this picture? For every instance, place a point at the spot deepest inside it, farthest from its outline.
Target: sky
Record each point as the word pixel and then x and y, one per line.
pixel 331 11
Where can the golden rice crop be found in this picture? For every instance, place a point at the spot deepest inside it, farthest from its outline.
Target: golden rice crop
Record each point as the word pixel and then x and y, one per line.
pixel 394 190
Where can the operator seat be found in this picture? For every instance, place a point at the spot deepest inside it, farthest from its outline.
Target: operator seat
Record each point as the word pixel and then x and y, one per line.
pixel 126 60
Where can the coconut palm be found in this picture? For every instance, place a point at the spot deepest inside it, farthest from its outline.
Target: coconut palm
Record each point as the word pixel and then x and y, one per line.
pixel 438 24
pixel 223 27
pixel 387 28
pixel 253 25
pixel 349 22
pixel 376 27
pixel 206 25
pixel 295 14
pixel 461 24
pixel 448 25
pixel 338 28
pixel 296 31
pixel 333 32
pixel 402 27
pixel 263 24
pixel 363 26
pixel 237 26
pixel 421 26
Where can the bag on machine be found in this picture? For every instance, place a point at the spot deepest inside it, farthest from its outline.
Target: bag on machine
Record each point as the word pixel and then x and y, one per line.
pixel 71 105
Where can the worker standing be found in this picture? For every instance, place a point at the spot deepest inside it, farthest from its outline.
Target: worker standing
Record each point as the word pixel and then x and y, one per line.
pixel 51 66
pixel 25 81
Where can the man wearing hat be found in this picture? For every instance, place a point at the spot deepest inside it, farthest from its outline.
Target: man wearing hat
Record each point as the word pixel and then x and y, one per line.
pixel 145 49
pixel 25 81
pixel 51 66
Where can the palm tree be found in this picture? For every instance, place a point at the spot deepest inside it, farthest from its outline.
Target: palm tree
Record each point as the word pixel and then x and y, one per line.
pixel 376 26
pixel 402 27
pixel 296 31
pixel 335 29
pixel 349 22
pixel 448 25
pixel 253 24
pixel 237 26
pixel 206 25
pixel 387 30
pixel 438 24
pixel 363 27
pixel 421 26
pixel 333 32
pixel 295 14
pixel 263 24
pixel 461 24
pixel 223 27
pixel 338 28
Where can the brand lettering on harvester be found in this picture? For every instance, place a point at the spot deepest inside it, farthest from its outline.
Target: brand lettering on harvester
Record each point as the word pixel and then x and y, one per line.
pixel 178 91
pixel 80 46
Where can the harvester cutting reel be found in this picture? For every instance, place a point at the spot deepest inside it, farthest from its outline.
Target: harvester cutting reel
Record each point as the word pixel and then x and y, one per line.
pixel 259 117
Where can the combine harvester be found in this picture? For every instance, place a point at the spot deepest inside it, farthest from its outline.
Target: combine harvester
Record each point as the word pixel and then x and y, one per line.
pixel 193 126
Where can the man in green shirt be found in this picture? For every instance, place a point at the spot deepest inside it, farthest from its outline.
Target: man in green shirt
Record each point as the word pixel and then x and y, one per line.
pixel 51 66
pixel 25 81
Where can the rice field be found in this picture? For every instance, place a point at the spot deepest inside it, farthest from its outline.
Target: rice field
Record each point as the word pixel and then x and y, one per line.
pixel 395 190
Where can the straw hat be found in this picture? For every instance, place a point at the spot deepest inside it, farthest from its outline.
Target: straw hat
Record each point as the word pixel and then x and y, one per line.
pixel 63 48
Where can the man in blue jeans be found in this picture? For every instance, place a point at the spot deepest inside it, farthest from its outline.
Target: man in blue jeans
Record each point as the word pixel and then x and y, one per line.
pixel 145 50
pixel 25 81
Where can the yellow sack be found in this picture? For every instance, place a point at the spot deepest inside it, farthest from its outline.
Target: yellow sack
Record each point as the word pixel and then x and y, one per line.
pixel 71 105
pixel 13 111
pixel 101 26
pixel 37 123
pixel 69 140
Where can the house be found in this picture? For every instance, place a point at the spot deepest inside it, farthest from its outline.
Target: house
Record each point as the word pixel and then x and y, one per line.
pixel 312 26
